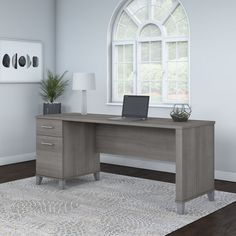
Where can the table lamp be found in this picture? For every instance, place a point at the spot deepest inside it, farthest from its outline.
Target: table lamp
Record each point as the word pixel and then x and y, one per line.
pixel 84 82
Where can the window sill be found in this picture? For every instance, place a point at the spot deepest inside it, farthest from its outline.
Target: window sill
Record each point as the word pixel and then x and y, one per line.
pixel 151 106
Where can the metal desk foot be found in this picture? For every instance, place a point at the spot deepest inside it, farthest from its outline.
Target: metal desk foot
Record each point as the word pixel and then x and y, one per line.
pixel 39 179
pixel 62 184
pixel 180 208
pixel 211 196
pixel 96 176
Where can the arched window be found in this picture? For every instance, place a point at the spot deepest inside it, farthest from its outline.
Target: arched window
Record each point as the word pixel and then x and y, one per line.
pixel 150 52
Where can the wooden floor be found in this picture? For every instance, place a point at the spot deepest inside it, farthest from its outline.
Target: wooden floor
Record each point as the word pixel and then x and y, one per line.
pixel 219 223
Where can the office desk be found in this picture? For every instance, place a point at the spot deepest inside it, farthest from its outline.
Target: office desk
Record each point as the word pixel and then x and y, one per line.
pixel 69 145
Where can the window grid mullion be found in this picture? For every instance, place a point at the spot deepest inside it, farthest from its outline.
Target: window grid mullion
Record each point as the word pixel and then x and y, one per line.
pixel 139 50
pixel 150 15
pixel 135 72
pixel 176 75
pixel 164 72
pixel 149 61
pixel 123 68
pixel 113 72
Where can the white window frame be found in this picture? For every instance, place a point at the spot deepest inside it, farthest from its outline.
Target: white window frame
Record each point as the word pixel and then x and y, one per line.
pixel 164 39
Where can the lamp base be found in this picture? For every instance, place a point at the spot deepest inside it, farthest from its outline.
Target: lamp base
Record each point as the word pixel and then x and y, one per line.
pixel 84 103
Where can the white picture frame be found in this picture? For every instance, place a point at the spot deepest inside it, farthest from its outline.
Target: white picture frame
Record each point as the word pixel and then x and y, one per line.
pixel 21 61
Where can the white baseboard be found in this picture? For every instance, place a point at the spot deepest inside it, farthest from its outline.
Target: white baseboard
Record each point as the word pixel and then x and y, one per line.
pixel 17 158
pixel 225 175
pixel 157 165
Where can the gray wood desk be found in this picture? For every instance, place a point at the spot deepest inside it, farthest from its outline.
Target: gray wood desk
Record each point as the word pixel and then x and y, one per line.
pixel 69 145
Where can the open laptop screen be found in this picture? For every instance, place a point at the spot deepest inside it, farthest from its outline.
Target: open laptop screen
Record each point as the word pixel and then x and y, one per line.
pixel 135 106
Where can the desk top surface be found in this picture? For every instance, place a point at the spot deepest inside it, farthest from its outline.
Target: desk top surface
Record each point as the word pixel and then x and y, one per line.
pixel 150 122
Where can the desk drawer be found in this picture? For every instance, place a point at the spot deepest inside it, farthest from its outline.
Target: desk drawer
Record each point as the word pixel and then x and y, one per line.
pixel 49 156
pixel 49 127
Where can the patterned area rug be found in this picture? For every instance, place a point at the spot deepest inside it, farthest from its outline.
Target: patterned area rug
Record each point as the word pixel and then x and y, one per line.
pixel 116 205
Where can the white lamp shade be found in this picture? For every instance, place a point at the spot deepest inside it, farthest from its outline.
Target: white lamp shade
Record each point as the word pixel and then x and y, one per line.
pixel 84 81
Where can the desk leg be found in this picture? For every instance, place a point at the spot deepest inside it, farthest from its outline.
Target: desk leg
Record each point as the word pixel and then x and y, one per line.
pixel 62 184
pixel 180 208
pixel 194 164
pixel 38 180
pixel 97 176
pixel 211 196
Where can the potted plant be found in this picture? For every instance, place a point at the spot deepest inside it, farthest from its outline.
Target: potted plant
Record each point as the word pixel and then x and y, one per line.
pixel 51 89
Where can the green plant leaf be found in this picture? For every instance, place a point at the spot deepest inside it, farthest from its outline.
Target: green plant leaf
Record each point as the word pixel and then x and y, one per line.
pixel 53 87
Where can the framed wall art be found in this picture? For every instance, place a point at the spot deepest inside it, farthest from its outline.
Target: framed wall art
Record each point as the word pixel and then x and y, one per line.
pixel 21 61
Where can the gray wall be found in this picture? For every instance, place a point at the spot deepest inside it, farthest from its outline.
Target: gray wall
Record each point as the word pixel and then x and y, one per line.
pixel 82 46
pixel 24 19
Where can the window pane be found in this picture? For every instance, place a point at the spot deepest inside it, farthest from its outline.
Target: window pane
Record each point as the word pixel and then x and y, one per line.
pixel 179 14
pixel 144 88
pixel 128 53
pixel 120 89
pixel 178 91
pixel 161 8
pixel 171 71
pixel 156 92
pixel 145 52
pixel 183 91
pixel 150 81
pixel 171 27
pixel 172 53
pixel 182 71
pixel 135 5
pixel 127 29
pixel 128 88
pixel 128 71
pixel 142 14
pixel 124 53
pixel 177 72
pixel 166 5
pixel 151 51
pixel 177 51
pixel 156 51
pixel 122 72
pixel 150 30
pixel 177 24
pixel 139 9
pixel 150 71
pixel 183 27
pixel 123 84
pixel 182 51
pixel 120 53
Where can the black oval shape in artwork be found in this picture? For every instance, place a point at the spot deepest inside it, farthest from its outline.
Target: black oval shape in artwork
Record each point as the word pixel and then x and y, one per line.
pixel 6 61
pixel 22 61
pixel 35 61
pixel 14 61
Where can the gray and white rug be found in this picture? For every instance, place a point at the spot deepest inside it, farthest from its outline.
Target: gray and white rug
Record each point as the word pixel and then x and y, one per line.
pixel 116 205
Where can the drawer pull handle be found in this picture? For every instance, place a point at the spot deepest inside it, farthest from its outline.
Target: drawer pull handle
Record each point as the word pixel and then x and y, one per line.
pixel 47 144
pixel 47 127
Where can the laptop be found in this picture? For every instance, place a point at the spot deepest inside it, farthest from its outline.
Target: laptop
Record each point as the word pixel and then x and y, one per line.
pixel 135 108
